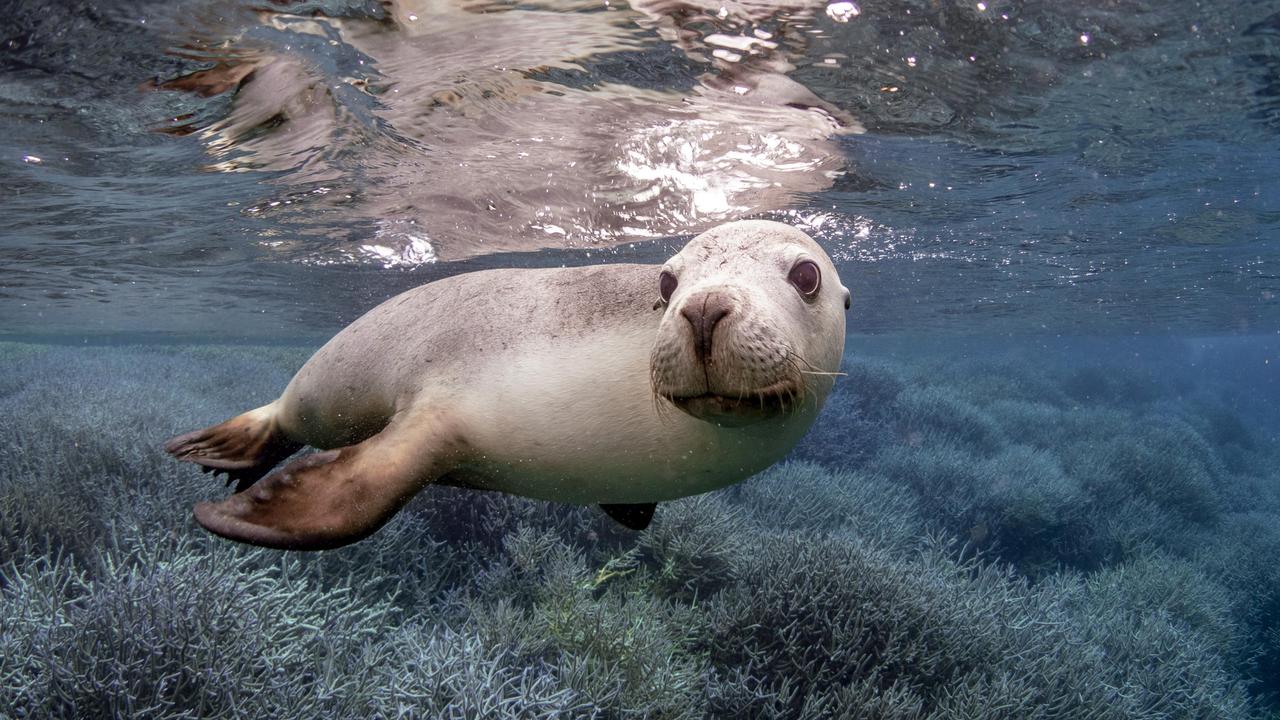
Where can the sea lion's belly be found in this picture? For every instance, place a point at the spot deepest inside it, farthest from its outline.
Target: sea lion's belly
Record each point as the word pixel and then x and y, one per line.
pixel 579 423
pixel 629 475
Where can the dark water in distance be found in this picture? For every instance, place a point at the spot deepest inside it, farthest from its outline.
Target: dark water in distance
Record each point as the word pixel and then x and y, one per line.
pixel 1040 167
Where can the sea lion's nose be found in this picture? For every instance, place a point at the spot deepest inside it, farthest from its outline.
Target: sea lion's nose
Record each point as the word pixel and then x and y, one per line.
pixel 704 313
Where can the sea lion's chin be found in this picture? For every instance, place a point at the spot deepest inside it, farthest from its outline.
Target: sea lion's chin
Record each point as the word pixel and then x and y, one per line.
pixel 738 410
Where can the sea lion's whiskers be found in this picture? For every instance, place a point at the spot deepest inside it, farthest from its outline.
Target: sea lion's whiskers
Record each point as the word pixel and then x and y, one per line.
pixel 662 406
pixel 824 373
pixel 812 370
pixel 794 360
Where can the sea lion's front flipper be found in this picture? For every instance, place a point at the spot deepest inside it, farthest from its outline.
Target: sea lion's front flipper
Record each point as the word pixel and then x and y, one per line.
pixel 635 517
pixel 245 447
pixel 331 498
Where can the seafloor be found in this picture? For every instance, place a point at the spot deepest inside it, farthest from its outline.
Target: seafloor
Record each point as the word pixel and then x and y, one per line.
pixel 1051 531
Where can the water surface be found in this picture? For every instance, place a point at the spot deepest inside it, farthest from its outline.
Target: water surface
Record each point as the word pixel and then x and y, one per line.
pixel 269 170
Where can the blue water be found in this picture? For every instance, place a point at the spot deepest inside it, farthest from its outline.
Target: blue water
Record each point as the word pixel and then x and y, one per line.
pixel 1045 487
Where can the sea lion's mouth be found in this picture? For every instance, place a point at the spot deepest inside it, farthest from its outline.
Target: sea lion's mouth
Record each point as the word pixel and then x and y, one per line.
pixel 737 410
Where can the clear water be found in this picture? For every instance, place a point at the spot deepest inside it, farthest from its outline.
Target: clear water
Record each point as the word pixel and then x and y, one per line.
pixel 1046 487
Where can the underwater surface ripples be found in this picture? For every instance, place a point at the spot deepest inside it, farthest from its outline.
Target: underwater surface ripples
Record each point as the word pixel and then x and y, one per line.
pixel 978 167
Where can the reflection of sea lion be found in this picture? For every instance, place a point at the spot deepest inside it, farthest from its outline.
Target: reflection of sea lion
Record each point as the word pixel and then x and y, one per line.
pixel 565 384
pixel 571 125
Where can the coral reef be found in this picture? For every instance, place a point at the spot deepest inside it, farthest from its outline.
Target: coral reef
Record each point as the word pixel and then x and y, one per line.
pixel 994 538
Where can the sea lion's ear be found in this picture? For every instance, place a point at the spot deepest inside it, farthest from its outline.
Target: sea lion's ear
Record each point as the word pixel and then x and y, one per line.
pixel 848 299
pixel 332 498
pixel 634 517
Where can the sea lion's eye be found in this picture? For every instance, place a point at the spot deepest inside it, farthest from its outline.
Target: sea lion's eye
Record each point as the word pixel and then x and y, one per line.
pixel 806 277
pixel 666 285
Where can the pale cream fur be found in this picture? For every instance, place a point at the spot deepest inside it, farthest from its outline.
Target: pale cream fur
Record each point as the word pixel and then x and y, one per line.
pixel 554 383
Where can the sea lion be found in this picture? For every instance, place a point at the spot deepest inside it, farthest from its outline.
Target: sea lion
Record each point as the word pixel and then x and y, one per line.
pixel 623 385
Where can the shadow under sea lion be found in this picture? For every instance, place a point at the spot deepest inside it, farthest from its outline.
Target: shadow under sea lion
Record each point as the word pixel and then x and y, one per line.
pixel 623 385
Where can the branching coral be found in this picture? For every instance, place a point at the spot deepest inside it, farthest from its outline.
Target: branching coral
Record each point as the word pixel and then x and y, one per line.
pixel 996 543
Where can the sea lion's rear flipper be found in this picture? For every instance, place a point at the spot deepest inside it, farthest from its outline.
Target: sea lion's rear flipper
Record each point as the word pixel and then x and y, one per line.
pixel 331 498
pixel 245 447
pixel 635 517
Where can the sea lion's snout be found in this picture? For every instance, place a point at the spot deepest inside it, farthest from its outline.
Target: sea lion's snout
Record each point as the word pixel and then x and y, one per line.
pixel 704 312
pixel 720 359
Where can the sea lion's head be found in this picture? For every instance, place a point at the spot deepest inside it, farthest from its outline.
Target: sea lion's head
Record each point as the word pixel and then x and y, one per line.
pixel 752 326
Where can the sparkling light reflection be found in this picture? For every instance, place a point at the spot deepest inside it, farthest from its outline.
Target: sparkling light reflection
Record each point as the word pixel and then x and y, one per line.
pixel 843 11
pixel 399 247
